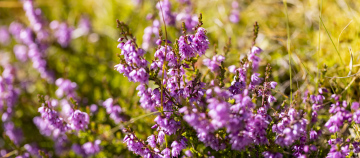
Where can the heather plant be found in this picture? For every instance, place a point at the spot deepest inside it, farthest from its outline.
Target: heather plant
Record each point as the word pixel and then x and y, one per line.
pixel 184 97
pixel 228 110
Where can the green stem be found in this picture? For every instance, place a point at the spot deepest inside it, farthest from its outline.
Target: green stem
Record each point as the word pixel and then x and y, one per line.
pixel 332 41
pixel 319 50
pixel 288 46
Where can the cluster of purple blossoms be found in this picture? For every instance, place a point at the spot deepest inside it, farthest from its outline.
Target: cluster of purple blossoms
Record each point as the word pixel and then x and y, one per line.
pixel 240 115
pixel 56 125
pixel 356 114
pixel 190 20
pixel 166 124
pixel 62 32
pixel 149 98
pixel 214 63
pixel 84 26
pixel 36 51
pixel 43 126
pixel 54 121
pixel 340 115
pixel 8 98
pixel 114 111
pixel 66 88
pixel 255 60
pixel 234 15
pixel 339 149
pixel 36 21
pixel 139 147
pixel 150 35
pixel 8 93
pixel 78 120
pixel 164 54
pixel 192 45
pixel 32 149
pixel 34 47
pixel 4 36
pixel 290 128
pixel 268 154
pixel 21 52
pixel 318 100
pixel 133 64
pixel 165 13
pixel 32 43
pixel 208 109
pixel 53 118
pixel 88 149
pixel 47 129
pixel 15 134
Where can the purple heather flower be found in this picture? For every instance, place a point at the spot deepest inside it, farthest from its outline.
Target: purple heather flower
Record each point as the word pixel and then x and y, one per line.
pixel 136 146
pixel 66 88
pixel 21 52
pixel 271 99
pixel 165 13
pixel 255 79
pixel 355 106
pixel 323 90
pixel 152 141
pixel 215 63
pixel 62 33
pixel 255 60
pixel 313 135
pixel 190 20
pixel 169 126
pixel 52 117
pixel 78 120
pixel 4 36
pixel 78 150
pixel 256 50
pixel 115 111
pixel 234 16
pixel 334 123
pixel 166 152
pixel 91 148
pixel 35 18
pixel 219 112
pixel 188 153
pixel 268 154
pixel 32 149
pixel 337 150
pixel 176 148
pixel 237 87
pixel 84 25
pixel 273 84
pixel 43 126
pixel 151 33
pixel 200 41
pixel 15 29
pixel 185 49
pixel 161 138
pixel 15 134
pixel 93 108
pixel 356 116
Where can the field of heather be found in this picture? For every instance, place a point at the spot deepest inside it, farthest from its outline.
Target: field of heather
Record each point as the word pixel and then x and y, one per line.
pixel 180 78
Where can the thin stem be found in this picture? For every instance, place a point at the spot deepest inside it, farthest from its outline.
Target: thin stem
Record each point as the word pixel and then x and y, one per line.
pixel 332 42
pixel 288 46
pixel 133 120
pixel 163 68
pixel 319 50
